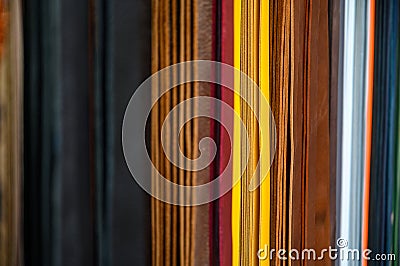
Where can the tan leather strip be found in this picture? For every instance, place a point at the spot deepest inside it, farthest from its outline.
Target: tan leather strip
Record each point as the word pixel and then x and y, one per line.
pixel 181 95
pixel 279 102
pixel 274 210
pixel 189 29
pixel 202 49
pixel 286 96
pixel 161 238
pixel 292 186
pixel 166 104
pixel 11 133
pixel 174 131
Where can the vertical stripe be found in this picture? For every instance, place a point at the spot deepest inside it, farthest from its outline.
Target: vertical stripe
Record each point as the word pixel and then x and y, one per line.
pixel 236 191
pixel 368 135
pixel 265 129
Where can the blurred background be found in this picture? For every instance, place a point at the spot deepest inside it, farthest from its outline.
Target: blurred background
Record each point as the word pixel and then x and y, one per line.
pixel 68 69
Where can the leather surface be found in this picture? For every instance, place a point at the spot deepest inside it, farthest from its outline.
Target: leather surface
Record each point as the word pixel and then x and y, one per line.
pixel 300 101
pixel 11 133
pixel 297 132
pixel 202 49
pixel 225 202
pixel 317 224
pixel 334 37
pixel 181 32
pixel 369 107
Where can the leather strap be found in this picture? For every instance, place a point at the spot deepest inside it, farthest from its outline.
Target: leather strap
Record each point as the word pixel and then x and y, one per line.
pixel 368 133
pixel 11 133
pixel 297 116
pixel 317 168
pixel 225 202
pixel 265 188
pixel 236 190
pixel 334 35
